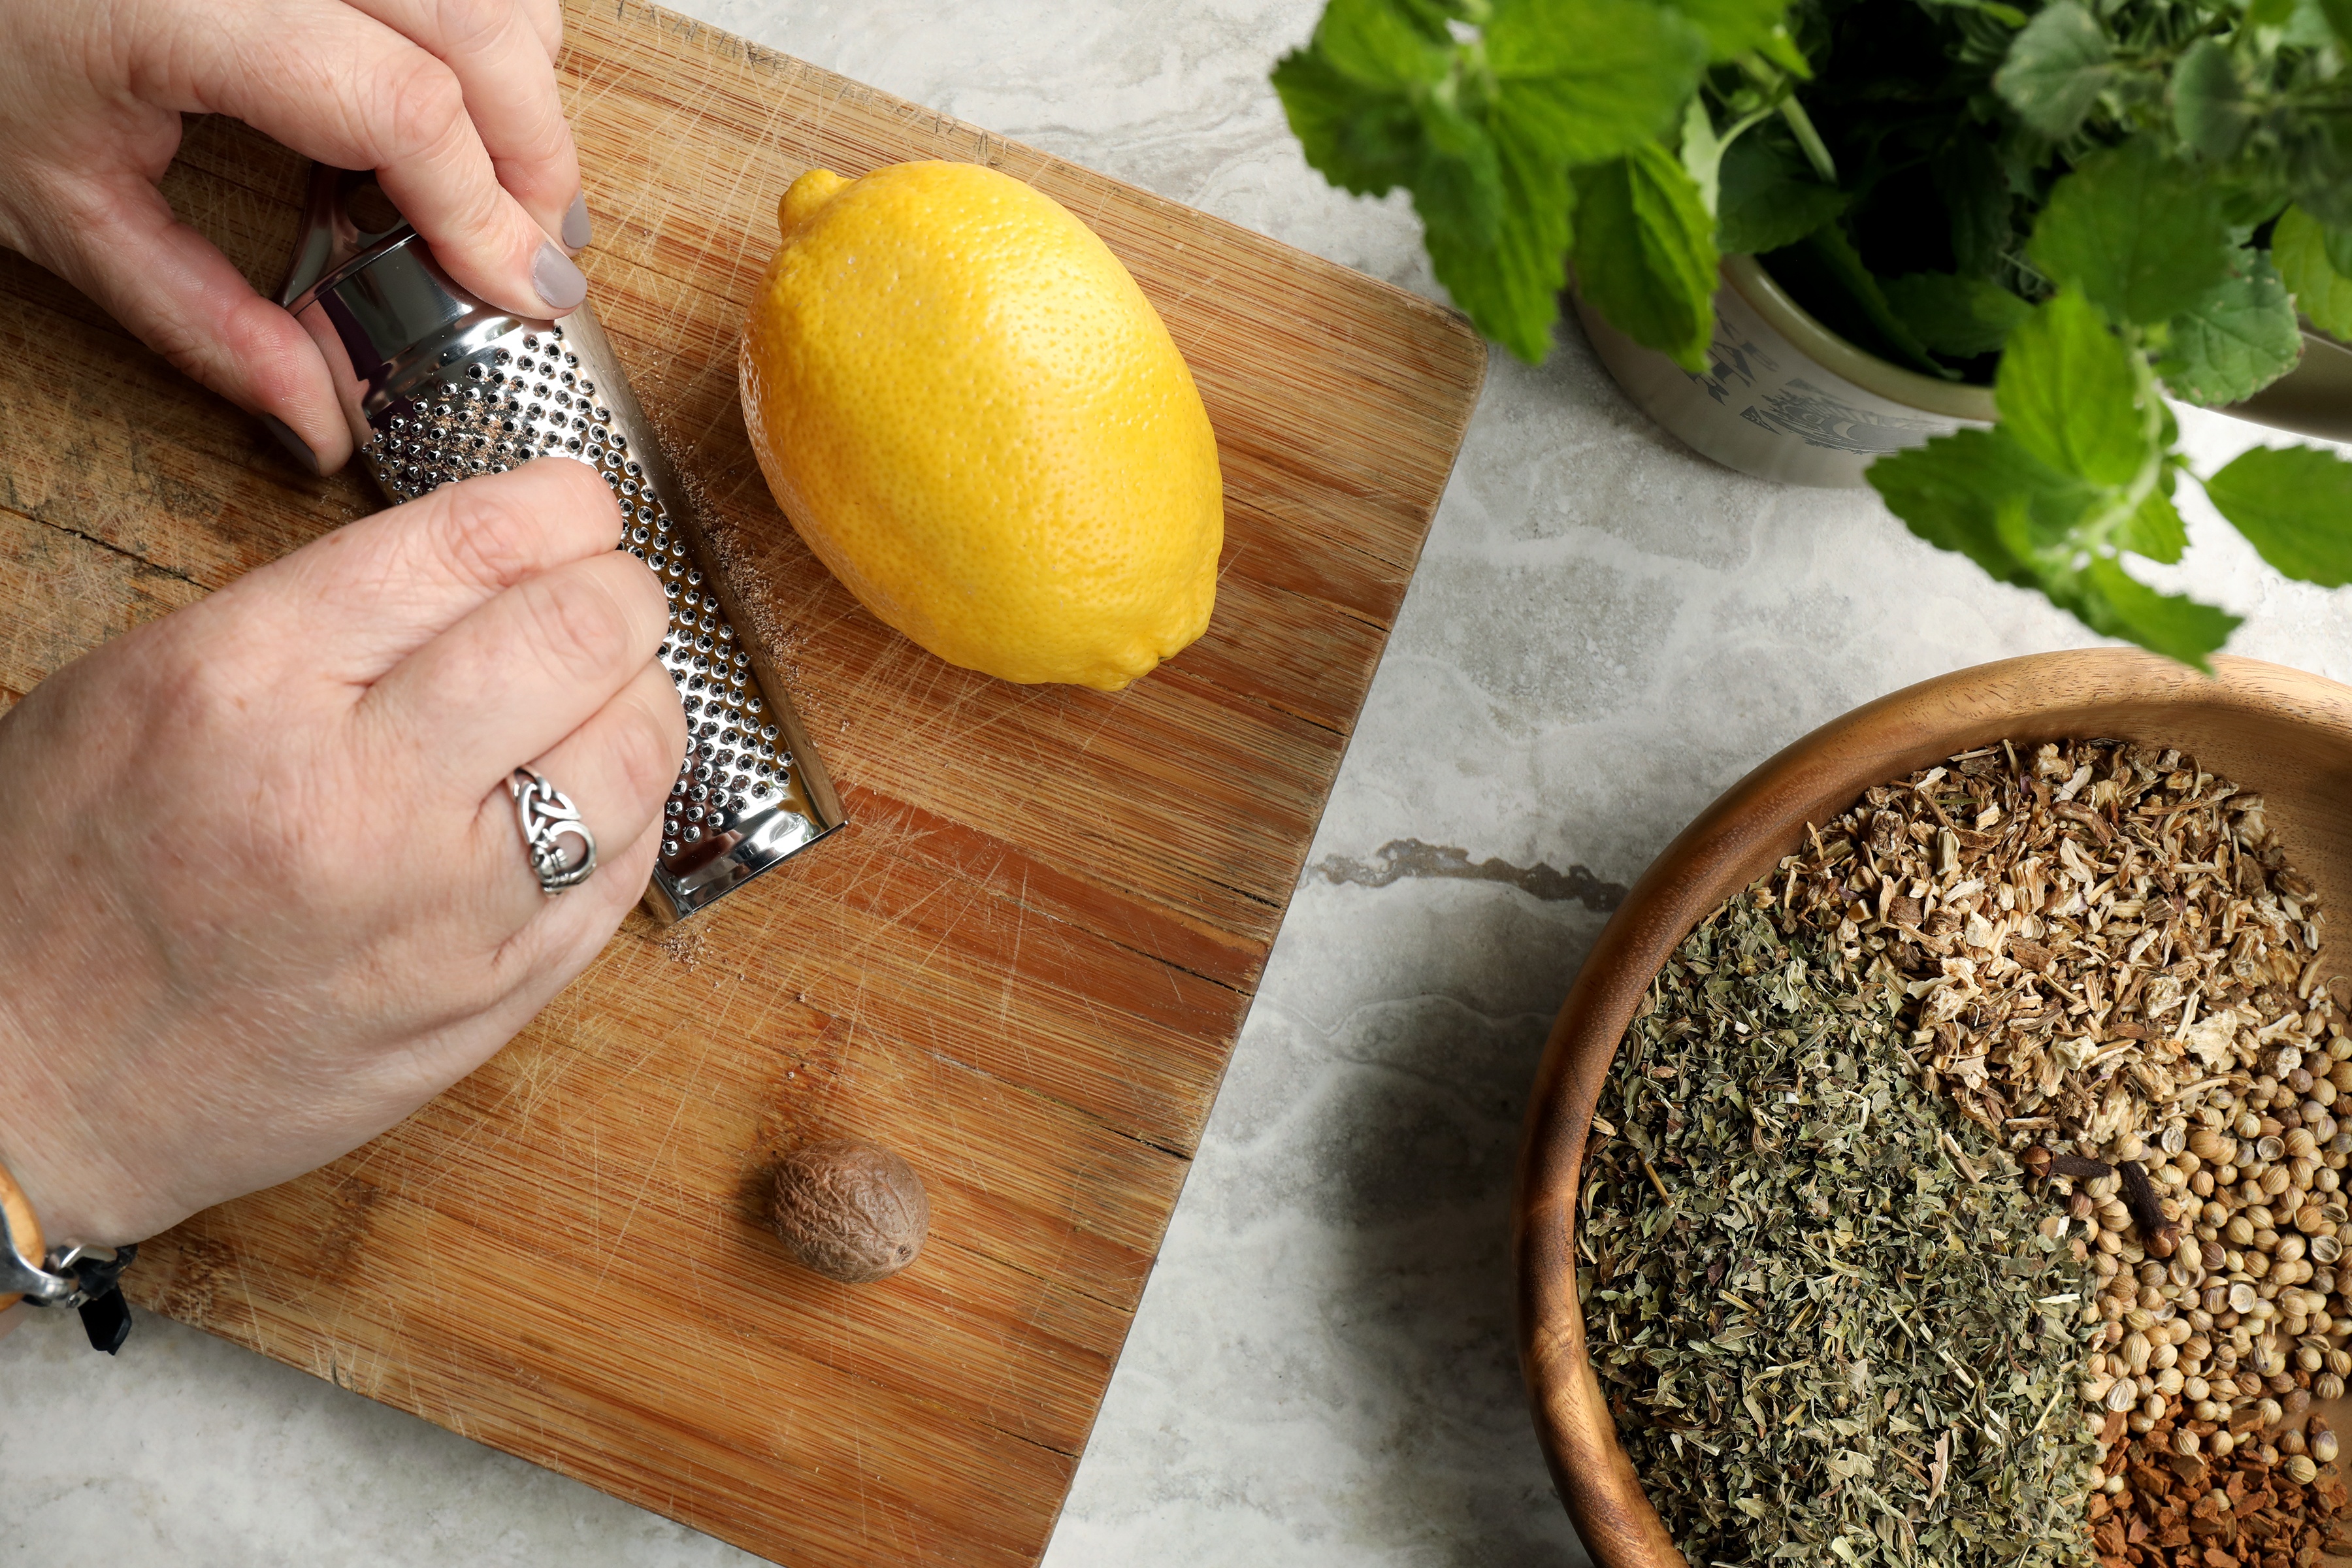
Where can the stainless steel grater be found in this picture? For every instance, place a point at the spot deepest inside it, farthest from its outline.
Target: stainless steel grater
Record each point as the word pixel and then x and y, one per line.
pixel 439 385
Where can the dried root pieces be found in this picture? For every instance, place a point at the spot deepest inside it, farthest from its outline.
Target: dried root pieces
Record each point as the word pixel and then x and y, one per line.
pixel 2091 936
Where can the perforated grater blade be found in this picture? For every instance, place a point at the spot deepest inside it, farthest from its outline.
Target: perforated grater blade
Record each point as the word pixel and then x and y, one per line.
pixel 438 386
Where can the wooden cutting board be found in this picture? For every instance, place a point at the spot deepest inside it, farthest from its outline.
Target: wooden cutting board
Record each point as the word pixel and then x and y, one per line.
pixel 1022 963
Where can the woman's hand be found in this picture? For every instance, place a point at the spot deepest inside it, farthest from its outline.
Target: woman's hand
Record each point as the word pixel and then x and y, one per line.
pixel 266 893
pixel 453 102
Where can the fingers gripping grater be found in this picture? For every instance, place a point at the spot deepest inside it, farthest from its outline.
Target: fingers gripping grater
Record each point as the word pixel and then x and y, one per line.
pixel 439 386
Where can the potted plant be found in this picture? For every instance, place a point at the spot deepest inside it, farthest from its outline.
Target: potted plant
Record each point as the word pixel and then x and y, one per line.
pixel 2019 225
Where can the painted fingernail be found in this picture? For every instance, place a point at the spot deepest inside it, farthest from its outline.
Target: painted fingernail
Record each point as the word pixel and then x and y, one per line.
pixel 560 283
pixel 577 230
pixel 296 447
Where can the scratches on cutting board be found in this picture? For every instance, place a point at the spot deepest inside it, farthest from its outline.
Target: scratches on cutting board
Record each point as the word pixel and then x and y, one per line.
pixel 64 592
pixel 652 1169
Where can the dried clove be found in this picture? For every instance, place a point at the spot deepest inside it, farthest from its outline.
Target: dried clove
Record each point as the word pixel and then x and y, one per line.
pixel 2160 1236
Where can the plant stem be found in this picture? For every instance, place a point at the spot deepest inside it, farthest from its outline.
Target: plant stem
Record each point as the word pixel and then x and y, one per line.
pixel 1742 123
pixel 1817 151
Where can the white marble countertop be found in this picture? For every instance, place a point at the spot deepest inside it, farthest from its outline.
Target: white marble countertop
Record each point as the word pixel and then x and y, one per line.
pixel 1606 631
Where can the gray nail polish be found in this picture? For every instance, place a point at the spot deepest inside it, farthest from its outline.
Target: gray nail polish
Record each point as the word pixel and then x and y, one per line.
pixel 560 283
pixel 296 447
pixel 577 228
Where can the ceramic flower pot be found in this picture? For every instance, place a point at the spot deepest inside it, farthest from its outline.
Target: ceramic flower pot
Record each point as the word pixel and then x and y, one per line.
pixel 1785 398
pixel 2314 398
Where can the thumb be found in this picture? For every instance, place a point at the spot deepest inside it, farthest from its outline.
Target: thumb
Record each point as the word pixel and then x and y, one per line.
pixel 179 295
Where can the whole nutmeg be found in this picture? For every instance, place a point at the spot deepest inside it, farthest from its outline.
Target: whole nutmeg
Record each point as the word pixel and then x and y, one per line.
pixel 849 1210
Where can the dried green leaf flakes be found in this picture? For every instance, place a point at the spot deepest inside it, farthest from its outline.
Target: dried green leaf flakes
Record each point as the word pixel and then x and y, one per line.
pixel 1832 1345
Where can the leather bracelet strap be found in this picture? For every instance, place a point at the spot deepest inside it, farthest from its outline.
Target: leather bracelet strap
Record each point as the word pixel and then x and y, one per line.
pixel 23 1227
pixel 80 1277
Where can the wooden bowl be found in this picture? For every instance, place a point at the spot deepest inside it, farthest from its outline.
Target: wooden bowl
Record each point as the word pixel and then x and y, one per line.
pixel 2279 732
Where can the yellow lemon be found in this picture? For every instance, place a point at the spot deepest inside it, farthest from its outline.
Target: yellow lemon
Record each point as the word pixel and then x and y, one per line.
pixel 980 425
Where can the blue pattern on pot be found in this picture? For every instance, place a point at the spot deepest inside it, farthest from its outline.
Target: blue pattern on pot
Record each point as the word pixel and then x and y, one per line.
pixel 1765 406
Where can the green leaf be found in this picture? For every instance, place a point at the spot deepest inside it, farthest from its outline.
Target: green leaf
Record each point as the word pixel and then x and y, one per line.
pixel 2111 602
pixel 2294 504
pixel 1734 27
pixel 2241 337
pixel 1837 254
pixel 1982 493
pixel 2056 70
pixel 1370 141
pixel 1645 254
pixel 1461 173
pixel 2068 392
pixel 2009 17
pixel 1495 209
pixel 2310 28
pixel 1367 143
pixel 1384 97
pixel 1950 493
pixel 2155 528
pixel 1374 44
pixel 2319 168
pixel 1589 79
pixel 2209 102
pixel 2322 291
pixel 1967 177
pixel 1434 16
pixel 1781 50
pixel 1768 196
pixel 1962 317
pixel 1510 283
pixel 2339 18
pixel 2142 235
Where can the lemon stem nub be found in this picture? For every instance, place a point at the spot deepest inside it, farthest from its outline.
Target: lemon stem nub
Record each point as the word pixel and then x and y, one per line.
pixel 804 196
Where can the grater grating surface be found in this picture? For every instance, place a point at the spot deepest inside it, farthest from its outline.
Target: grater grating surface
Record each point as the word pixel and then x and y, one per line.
pixel 438 386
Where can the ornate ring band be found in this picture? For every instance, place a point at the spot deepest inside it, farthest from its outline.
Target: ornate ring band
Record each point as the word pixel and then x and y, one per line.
pixel 546 814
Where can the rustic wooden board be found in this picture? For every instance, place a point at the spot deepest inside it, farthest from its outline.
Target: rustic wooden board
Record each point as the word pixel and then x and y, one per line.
pixel 1023 963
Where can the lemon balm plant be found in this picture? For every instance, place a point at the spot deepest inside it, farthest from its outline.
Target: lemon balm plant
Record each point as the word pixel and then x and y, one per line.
pixel 2084 206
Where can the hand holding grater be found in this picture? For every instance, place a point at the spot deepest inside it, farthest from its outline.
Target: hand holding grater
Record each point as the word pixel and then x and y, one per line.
pixel 437 386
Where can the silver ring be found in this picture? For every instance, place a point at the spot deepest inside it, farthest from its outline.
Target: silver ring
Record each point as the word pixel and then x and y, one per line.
pixel 546 814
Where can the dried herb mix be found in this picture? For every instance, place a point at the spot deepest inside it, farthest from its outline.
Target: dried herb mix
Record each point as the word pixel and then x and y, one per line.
pixel 2110 959
pixel 1817 1298
pixel 2098 954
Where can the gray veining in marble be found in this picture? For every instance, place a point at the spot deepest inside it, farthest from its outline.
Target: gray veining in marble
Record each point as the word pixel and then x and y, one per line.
pixel 1605 632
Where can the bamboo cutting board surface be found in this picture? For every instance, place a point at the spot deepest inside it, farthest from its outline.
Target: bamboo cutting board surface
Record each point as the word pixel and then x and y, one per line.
pixel 1022 965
